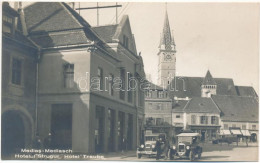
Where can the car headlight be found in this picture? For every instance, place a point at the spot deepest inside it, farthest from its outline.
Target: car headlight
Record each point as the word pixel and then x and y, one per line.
pixel 142 146
pixel 187 147
pixel 174 147
pixel 153 146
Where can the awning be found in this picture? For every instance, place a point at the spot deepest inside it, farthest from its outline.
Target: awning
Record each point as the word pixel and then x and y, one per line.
pixel 236 132
pixel 189 134
pixel 225 132
pixel 245 133
pixel 253 132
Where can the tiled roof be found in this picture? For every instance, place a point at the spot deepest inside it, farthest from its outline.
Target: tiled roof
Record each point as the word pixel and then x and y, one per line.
pixel 191 87
pixel 106 32
pixel 71 37
pixel 52 24
pixel 19 37
pixel 201 105
pixel 179 105
pixel 166 38
pixel 246 91
pixel 49 16
pixel 208 80
pixel 237 108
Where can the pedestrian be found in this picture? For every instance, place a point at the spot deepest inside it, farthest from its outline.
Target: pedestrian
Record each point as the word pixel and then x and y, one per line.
pixel 166 148
pixel 123 145
pixel 158 148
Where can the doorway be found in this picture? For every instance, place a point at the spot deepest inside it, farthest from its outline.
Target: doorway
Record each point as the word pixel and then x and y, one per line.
pixel 99 129
pixel 203 135
pixel 61 126
pixel 13 133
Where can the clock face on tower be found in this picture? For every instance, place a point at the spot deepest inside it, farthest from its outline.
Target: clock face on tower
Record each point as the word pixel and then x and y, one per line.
pixel 167 57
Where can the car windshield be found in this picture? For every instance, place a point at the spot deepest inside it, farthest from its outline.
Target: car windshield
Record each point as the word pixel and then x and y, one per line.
pixel 185 139
pixel 151 138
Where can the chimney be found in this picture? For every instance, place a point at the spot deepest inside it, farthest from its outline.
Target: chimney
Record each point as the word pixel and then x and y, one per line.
pixel 22 19
pixel 16 5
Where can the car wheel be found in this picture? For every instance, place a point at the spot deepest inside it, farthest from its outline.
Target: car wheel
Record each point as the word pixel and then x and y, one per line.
pixel 191 156
pixel 139 155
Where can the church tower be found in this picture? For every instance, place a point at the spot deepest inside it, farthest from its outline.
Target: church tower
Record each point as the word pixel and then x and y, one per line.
pixel 166 55
pixel 209 86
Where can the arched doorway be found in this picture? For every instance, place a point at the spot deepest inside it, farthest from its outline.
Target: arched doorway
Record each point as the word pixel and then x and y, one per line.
pixel 13 132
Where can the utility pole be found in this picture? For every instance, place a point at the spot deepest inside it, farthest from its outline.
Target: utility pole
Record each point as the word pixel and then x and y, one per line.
pixel 97 15
pixel 100 7
pixel 116 14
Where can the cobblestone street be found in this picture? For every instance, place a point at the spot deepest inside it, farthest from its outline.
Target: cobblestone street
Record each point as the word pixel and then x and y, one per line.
pixel 211 152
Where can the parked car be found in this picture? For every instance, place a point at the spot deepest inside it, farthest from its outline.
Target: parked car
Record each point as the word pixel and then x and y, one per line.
pixel 148 148
pixel 187 146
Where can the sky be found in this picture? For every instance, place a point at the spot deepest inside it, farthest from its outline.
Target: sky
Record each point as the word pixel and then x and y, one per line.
pixel 220 37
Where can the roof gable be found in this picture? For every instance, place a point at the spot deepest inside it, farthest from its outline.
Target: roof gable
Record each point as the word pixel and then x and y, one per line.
pixel 124 29
pixel 106 32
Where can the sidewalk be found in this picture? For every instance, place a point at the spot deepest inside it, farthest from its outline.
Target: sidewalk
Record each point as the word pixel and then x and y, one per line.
pixel 121 155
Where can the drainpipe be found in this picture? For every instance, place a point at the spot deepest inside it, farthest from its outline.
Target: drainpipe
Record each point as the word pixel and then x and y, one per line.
pixel 39 53
pixel 36 90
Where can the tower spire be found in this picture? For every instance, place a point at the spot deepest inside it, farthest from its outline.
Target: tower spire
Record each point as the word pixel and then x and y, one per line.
pixel 167 41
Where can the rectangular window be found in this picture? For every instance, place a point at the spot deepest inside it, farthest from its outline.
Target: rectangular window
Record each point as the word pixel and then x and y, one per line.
pixel 253 127
pixel 150 106
pixel 159 106
pixel 7 19
pixel 160 94
pixel 150 121
pixel 159 121
pixel 203 120
pixel 125 41
pixel 130 87
pixel 225 126
pixel 100 76
pixel 243 127
pixel 193 119
pixel 111 82
pixel 69 75
pixel 16 71
pixel 148 94
pixel 122 90
pixel 214 120
pixel 178 116
pixel 7 24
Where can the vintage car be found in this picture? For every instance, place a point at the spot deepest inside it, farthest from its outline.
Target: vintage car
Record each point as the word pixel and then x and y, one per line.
pixel 186 147
pixel 148 148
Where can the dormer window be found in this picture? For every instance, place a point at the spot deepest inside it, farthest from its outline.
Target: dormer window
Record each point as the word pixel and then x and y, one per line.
pixel 125 41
